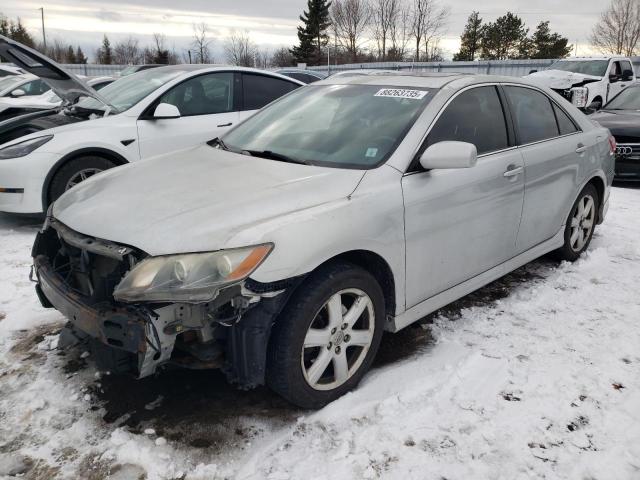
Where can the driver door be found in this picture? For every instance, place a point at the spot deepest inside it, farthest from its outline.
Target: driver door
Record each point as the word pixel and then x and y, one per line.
pixel 462 222
pixel 207 109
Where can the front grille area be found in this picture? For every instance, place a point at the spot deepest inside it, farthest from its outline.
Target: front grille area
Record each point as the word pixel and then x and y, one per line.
pixel 89 266
pixel 630 151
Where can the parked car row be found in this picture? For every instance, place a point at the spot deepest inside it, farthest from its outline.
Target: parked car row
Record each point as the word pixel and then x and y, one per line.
pixel 280 249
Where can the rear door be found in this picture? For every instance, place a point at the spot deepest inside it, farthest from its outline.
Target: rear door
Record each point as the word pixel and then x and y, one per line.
pixel 462 222
pixel 207 105
pixel 259 90
pixel 552 148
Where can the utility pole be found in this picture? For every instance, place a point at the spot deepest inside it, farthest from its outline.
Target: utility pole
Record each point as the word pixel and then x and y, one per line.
pixel 44 37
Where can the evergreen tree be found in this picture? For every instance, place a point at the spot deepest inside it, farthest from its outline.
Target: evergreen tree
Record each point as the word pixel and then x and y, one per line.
pixel 470 39
pixel 549 45
pixel 312 34
pixel 503 39
pixel 70 56
pixel 105 54
pixel 80 57
pixel 4 26
pixel 20 34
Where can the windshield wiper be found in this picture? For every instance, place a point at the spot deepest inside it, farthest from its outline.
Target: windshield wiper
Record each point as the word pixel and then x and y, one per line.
pixel 217 142
pixel 268 154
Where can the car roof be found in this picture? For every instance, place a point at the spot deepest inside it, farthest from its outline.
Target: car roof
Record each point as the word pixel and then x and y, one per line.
pixel 422 79
pixel 189 68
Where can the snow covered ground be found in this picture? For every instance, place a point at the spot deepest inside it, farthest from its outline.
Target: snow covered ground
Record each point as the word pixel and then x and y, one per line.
pixel 534 376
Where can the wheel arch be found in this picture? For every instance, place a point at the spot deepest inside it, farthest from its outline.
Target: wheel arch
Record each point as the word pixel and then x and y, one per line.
pixel 377 266
pixel 96 151
pixel 600 187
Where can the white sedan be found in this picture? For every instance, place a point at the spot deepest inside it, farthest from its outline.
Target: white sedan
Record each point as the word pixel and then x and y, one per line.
pixel 149 113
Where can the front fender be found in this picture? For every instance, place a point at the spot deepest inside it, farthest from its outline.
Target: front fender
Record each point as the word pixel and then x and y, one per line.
pixel 371 219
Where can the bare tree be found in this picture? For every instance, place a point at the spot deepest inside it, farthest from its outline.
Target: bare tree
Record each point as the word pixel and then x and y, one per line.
pixel 127 52
pixel 429 21
pixel 350 20
pixel 400 33
pixel 264 58
pixel 618 30
pixel 201 44
pixel 384 15
pixel 240 50
pixel 283 57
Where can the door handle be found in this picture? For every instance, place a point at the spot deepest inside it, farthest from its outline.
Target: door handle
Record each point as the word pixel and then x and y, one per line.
pixel 512 171
pixel 226 124
pixel 581 148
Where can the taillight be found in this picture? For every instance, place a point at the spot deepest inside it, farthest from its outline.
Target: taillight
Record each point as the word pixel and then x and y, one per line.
pixel 612 144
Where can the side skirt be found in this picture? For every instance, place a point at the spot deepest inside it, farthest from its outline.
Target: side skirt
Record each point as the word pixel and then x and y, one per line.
pixel 432 304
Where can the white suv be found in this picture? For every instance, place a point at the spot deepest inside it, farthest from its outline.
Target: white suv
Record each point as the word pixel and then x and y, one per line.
pixel 152 112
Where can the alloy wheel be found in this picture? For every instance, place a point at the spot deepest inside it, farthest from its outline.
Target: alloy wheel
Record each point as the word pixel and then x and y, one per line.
pixel 582 223
pixel 338 339
pixel 81 176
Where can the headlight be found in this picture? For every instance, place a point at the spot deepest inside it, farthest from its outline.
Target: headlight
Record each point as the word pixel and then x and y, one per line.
pixel 23 148
pixel 192 277
pixel 579 96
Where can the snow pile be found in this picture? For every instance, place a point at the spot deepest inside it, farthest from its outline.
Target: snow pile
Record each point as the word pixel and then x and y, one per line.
pixel 542 383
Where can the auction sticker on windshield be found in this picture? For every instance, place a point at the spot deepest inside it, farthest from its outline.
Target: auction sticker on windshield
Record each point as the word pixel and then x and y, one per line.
pixel 401 93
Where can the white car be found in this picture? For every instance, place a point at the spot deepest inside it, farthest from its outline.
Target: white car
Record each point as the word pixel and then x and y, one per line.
pixel 15 86
pixel 588 83
pixel 12 106
pixel 8 70
pixel 149 113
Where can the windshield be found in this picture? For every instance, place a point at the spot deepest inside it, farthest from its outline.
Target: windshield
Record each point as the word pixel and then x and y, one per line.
pixel 597 68
pixel 125 92
pixel 8 82
pixel 346 126
pixel 128 71
pixel 628 99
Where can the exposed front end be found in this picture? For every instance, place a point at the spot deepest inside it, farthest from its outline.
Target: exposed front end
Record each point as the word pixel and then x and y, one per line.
pixel 80 276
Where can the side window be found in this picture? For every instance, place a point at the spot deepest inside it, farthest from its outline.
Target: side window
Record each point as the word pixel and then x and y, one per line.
pixel 615 69
pixel 202 95
pixel 625 66
pixel 532 113
pixel 36 87
pixel 474 116
pixel 258 90
pixel 565 124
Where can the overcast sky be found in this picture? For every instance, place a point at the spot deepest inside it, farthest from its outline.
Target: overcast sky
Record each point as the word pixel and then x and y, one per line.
pixel 270 23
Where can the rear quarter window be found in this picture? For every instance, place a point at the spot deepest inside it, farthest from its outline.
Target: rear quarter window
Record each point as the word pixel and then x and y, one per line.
pixel 259 90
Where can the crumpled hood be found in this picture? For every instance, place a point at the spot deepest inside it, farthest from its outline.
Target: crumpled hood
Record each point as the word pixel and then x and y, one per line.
pixel 560 79
pixel 199 199
pixel 621 123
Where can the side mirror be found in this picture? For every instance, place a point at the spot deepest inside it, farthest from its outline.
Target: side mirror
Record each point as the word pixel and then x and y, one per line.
pixel 449 155
pixel 18 92
pixel 627 75
pixel 166 110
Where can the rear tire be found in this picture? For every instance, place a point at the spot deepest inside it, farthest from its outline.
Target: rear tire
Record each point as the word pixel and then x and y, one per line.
pixel 74 172
pixel 334 320
pixel 580 225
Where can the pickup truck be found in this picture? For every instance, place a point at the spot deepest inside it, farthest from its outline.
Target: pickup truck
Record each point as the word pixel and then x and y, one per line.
pixel 588 83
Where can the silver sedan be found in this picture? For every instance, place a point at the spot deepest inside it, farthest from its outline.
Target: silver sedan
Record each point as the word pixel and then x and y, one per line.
pixel 281 251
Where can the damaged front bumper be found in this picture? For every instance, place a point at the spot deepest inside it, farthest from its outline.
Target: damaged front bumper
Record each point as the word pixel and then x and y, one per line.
pixel 136 330
pixel 75 274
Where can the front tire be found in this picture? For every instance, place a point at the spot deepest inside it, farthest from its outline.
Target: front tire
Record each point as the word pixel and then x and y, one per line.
pixel 580 225
pixel 76 171
pixel 327 336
